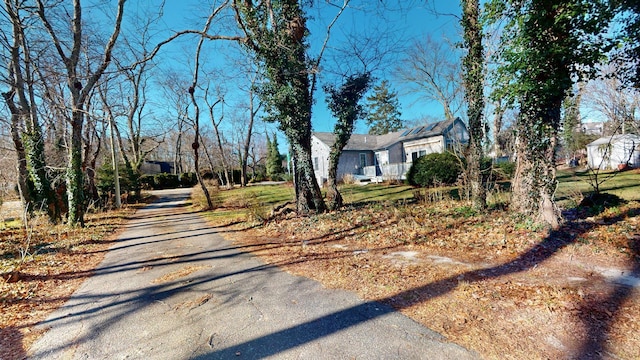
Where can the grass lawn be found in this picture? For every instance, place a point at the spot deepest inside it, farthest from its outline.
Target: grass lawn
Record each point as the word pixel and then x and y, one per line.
pixel 624 184
pixel 240 203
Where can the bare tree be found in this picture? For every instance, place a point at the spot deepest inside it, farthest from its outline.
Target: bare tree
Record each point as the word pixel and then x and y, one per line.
pixel 608 99
pixel 432 69
pixel 34 183
pixel 216 122
pixel 69 52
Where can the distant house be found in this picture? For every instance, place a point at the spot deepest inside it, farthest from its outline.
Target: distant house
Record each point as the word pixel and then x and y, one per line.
pixel 610 151
pixel 151 167
pixel 389 156
pixel 591 128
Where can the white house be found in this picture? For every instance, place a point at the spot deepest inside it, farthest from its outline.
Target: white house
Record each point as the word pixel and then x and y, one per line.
pixel 386 156
pixel 610 151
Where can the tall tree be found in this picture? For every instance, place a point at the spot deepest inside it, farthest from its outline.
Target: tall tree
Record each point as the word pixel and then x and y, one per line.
pixel 546 46
pixel 629 16
pixel 34 182
pixel 79 89
pixel 277 34
pixel 473 79
pixel 383 114
pixel 216 121
pixel 344 103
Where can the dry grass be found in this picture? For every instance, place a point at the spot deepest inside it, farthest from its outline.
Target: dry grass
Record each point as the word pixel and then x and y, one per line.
pixel 490 282
pixel 41 266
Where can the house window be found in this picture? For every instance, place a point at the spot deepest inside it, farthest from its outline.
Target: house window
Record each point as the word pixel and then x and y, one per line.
pixel 363 160
pixel 315 164
pixel 416 154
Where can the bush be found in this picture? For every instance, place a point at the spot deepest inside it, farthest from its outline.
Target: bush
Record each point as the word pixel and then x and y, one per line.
pixel 188 180
pixel 505 170
pixel 147 182
pixel 166 181
pixel 433 169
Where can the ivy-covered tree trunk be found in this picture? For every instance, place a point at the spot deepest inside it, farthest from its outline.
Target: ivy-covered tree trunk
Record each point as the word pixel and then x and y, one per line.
pixel 43 195
pixel 276 32
pixel 308 195
pixel 75 176
pixel 344 105
pixel 334 198
pixel 546 46
pixel 534 182
pixel 473 76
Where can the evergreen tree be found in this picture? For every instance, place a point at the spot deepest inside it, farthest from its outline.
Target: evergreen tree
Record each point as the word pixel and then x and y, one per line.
pixel 274 160
pixel 383 116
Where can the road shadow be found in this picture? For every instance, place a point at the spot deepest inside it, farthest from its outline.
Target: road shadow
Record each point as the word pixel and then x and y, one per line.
pixel 594 347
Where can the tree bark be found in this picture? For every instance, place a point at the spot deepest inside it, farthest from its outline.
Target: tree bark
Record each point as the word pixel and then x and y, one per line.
pixel 534 182
pixel 308 195
pixel 473 64
pixel 334 198
pixel 23 174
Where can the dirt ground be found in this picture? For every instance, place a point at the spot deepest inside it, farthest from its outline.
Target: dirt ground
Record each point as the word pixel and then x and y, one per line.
pixel 486 281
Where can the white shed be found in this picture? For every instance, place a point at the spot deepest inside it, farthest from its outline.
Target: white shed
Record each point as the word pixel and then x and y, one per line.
pixel 610 151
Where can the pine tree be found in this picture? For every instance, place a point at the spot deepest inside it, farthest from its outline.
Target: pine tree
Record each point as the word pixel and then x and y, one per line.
pixel 274 160
pixel 383 116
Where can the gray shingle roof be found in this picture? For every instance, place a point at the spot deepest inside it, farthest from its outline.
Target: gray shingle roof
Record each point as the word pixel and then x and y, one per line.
pixel 375 142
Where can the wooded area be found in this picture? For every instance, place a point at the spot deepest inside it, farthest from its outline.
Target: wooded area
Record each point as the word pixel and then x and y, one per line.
pixel 69 81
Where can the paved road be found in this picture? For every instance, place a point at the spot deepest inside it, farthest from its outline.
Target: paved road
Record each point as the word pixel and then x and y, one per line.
pixel 173 288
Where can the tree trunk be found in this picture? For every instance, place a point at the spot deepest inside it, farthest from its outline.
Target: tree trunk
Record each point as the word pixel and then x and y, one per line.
pixel 308 195
pixel 334 198
pixel 23 175
pixel 473 65
pixel 75 178
pixel 534 182
pixel 244 158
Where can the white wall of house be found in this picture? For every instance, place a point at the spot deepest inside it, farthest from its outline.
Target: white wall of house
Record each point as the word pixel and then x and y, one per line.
pixel 417 148
pixel 607 152
pixel 320 158
pixel 382 157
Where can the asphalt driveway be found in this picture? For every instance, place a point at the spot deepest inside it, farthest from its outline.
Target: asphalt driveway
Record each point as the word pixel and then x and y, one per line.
pixel 172 288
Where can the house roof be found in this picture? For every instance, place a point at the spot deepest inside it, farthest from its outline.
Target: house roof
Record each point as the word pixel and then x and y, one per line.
pixel 375 142
pixel 614 139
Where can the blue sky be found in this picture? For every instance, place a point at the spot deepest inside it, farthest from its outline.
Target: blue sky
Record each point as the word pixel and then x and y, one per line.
pixel 402 22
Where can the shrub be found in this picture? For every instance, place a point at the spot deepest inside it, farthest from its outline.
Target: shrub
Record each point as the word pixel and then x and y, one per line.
pixel 147 182
pixel 188 180
pixel 348 179
pixel 166 181
pixel 434 168
pixel 505 170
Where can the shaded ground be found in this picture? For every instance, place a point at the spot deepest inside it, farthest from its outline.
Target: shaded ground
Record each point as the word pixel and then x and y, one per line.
pixel 171 288
pixel 488 282
pixel 37 275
